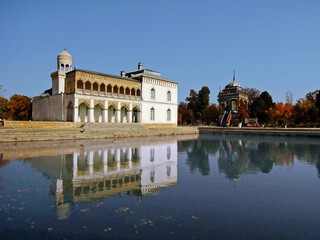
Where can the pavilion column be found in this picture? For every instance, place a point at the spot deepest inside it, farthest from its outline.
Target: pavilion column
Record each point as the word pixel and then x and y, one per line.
pixel 90 162
pixel 118 113
pixel 105 112
pixel 91 111
pixel 129 117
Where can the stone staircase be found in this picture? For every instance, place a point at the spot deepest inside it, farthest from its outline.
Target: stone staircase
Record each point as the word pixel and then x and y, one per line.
pixel 113 127
pixel 49 132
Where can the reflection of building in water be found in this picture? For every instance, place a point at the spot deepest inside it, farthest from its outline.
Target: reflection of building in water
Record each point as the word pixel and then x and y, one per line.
pixel 104 171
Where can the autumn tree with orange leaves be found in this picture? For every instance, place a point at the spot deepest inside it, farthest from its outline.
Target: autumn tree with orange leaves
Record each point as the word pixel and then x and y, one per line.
pixel 20 107
pixel 280 114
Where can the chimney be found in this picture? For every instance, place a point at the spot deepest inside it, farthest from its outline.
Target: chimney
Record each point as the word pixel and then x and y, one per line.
pixel 140 66
pixel 122 73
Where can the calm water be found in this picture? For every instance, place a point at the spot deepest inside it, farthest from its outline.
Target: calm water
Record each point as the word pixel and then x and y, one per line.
pixel 206 187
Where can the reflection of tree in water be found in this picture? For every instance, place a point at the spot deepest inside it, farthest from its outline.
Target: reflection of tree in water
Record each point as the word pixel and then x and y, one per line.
pixel 309 153
pixel 233 160
pixel 198 154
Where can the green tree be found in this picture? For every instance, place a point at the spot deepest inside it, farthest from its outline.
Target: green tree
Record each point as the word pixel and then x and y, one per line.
pixel 259 107
pixel 203 101
pixel 198 102
pixel 313 113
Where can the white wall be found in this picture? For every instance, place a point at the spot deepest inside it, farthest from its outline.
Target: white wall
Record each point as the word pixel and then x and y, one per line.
pixel 160 103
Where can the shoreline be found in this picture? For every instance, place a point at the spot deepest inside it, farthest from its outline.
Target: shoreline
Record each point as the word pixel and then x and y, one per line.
pixel 305 132
pixel 48 131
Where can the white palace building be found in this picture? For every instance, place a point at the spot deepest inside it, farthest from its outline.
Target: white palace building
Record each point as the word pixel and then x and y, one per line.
pixel 140 96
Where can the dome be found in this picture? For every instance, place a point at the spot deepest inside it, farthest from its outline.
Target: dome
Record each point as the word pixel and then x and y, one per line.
pixel 233 84
pixel 64 53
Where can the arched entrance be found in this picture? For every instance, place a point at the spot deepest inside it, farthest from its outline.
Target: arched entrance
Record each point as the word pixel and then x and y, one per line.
pixel 83 112
pixel 98 113
pixel 124 114
pixel 111 114
pixel 135 115
pixel 69 112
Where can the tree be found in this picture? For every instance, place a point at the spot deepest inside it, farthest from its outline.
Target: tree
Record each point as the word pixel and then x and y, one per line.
pixel 253 94
pixel 198 102
pixel 203 101
pixel 312 96
pixel 185 115
pixel 318 102
pixel 259 107
pixel 313 113
pixel 4 108
pixel 280 114
pixel 301 111
pixel 211 114
pixel 289 99
pixel 193 102
pixel 242 111
pixel 21 107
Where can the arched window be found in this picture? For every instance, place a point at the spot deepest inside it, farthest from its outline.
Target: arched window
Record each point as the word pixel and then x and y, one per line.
pixel 62 67
pixel 133 92
pixel 127 91
pixel 109 88
pixel 80 84
pixel 168 115
pixel 121 90
pixel 102 88
pixel 152 114
pixel 153 93
pixel 115 89
pixel 95 86
pixel 67 67
pixel 88 86
pixel 138 92
pixel 169 96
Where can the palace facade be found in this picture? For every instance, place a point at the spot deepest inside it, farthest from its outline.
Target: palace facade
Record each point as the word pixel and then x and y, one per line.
pixel 79 95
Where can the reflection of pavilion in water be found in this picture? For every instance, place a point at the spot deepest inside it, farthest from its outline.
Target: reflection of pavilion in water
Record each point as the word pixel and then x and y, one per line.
pixel 104 171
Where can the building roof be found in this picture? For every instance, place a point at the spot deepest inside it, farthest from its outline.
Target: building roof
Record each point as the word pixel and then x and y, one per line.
pixel 147 73
pixel 105 75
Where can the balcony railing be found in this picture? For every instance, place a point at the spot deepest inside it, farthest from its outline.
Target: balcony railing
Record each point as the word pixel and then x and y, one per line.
pixel 79 90
pixel 86 91
pixel 95 92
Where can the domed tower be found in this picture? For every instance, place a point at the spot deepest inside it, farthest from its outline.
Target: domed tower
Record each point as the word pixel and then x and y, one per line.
pixel 64 61
pixel 64 64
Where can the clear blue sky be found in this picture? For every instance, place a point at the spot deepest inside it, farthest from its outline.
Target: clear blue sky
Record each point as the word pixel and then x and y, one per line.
pixel 273 45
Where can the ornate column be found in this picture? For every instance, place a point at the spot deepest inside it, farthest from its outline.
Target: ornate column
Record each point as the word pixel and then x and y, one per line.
pixel 118 113
pixel 129 120
pixel 105 112
pixel 75 110
pixel 91 111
